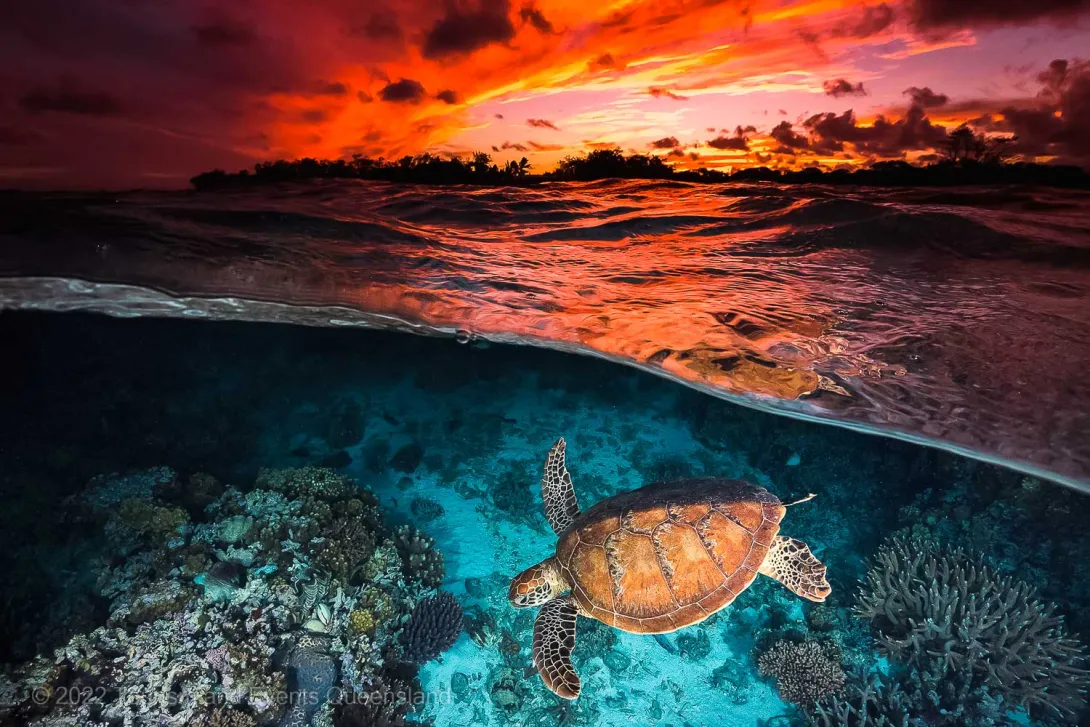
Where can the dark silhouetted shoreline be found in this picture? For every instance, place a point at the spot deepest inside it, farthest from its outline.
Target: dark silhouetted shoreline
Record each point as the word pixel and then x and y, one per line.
pixel 613 164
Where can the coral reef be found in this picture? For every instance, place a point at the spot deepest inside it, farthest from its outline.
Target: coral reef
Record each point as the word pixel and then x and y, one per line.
pixel 865 702
pixel 245 614
pixel 967 630
pixel 433 627
pixel 420 556
pixel 804 671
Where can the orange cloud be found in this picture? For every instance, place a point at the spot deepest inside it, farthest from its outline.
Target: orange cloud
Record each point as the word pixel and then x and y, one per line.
pixel 201 86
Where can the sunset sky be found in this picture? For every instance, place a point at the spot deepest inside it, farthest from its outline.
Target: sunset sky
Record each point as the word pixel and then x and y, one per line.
pixel 146 93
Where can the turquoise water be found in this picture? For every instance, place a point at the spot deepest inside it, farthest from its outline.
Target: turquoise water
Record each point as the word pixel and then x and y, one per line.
pixel 110 559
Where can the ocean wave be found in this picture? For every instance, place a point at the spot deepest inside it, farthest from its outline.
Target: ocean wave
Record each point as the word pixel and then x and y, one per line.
pixel 958 317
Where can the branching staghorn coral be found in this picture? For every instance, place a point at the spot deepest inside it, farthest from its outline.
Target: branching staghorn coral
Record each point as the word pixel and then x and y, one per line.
pixel 871 702
pixel 937 610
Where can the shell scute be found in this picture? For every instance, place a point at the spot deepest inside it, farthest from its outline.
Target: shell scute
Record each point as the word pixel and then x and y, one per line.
pixel 674 552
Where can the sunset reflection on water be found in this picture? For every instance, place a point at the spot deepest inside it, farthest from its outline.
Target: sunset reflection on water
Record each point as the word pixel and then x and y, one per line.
pixel 954 317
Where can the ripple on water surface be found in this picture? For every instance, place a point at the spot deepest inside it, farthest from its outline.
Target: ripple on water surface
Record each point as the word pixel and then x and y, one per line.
pixel 958 317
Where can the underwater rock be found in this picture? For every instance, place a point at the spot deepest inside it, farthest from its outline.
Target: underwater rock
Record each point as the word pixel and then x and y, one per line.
pixel 733 679
pixel 433 627
pixel 595 640
pixel 425 510
pixel 459 684
pixel 475 588
pixel 510 650
pixel 407 459
pixel 694 644
pixel 507 690
pixel 481 626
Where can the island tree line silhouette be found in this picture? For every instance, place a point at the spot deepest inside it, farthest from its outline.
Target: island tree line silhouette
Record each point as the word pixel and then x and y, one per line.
pixel 966 158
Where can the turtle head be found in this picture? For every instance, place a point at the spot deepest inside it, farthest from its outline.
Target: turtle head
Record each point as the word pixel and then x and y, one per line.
pixel 536 585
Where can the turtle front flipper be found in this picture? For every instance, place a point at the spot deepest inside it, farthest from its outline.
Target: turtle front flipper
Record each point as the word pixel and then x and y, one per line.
pixel 791 563
pixel 554 639
pixel 557 491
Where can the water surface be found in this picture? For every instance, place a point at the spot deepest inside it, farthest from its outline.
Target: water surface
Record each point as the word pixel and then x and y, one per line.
pixel 955 317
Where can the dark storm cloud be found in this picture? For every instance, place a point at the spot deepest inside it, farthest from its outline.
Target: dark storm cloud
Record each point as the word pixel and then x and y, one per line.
pixel 530 14
pixel 841 87
pixel 447 96
pixel 1059 125
pixel 931 14
pixel 468 27
pixel 926 98
pixel 541 124
pixel 875 19
pixel 66 98
pixel 669 142
pixel 788 138
pixel 364 97
pixel 737 143
pixel 404 91
pixel 830 131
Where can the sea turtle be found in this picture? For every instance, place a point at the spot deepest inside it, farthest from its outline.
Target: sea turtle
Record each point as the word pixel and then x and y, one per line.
pixel 653 560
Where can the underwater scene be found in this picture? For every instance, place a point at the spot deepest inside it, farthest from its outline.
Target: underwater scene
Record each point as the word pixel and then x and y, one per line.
pixel 281 514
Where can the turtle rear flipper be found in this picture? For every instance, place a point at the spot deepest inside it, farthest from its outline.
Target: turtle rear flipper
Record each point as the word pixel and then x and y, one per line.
pixel 791 563
pixel 557 491
pixel 554 639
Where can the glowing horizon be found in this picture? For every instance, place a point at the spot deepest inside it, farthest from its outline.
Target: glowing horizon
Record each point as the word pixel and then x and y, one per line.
pixel 140 95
